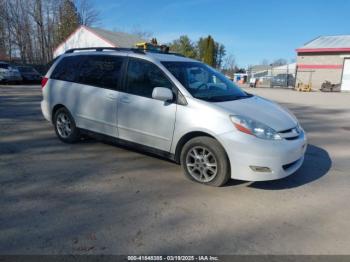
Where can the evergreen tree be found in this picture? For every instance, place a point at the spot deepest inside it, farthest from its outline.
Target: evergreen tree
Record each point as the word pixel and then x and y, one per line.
pixel 201 46
pixel 209 51
pixel 184 46
pixel 205 50
pixel 220 53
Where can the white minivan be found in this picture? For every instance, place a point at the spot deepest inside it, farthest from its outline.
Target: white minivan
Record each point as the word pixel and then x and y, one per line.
pixel 175 107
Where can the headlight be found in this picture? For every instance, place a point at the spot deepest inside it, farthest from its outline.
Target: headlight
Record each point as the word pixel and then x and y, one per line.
pixel 255 128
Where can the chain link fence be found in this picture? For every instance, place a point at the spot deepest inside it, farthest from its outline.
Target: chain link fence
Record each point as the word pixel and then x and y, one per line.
pixel 283 76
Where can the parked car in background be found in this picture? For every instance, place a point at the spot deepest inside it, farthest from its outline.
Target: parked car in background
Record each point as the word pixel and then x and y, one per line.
pixel 29 74
pixel 9 73
pixel 283 80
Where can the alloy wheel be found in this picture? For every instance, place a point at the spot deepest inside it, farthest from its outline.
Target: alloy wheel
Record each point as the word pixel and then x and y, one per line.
pixel 201 164
pixel 64 125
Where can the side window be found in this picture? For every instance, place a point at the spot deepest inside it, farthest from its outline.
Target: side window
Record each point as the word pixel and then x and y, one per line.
pixel 100 70
pixel 66 69
pixel 4 66
pixel 143 77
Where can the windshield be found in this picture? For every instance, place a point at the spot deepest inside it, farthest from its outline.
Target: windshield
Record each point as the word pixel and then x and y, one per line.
pixel 205 83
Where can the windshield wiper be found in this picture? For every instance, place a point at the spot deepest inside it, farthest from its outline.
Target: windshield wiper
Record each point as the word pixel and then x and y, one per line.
pixel 224 98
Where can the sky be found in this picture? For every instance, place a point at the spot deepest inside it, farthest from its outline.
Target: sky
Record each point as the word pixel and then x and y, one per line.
pixel 250 30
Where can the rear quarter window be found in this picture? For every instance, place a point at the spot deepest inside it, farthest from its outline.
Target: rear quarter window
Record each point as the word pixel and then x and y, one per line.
pixel 101 70
pixel 67 69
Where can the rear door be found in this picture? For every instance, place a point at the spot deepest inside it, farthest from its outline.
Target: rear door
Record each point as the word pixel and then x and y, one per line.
pixel 88 86
pixel 141 118
pixel 99 78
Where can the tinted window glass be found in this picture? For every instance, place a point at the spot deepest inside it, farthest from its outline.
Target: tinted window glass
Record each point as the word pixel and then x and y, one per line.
pixel 102 71
pixel 67 69
pixel 4 66
pixel 25 69
pixel 143 77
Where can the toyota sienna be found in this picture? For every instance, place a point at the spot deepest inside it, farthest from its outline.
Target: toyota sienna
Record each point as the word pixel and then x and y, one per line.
pixel 175 107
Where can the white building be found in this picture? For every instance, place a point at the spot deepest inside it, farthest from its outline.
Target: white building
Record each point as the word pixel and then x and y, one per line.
pixel 95 37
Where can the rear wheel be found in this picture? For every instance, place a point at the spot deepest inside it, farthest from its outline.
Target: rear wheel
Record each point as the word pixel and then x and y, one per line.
pixel 65 127
pixel 205 161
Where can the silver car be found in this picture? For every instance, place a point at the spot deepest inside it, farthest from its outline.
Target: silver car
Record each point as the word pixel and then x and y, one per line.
pixel 175 107
pixel 9 74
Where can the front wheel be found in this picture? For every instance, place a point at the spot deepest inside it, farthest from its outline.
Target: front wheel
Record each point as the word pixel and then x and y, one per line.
pixel 65 127
pixel 205 161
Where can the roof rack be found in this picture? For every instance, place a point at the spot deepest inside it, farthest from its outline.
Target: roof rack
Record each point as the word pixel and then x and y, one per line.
pixel 99 49
pixel 135 50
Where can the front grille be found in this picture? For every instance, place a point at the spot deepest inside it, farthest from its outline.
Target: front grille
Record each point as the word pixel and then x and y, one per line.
pixel 292 138
pixel 290 134
pixel 286 131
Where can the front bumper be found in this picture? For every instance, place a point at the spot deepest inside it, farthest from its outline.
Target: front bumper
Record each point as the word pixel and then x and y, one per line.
pixel 282 157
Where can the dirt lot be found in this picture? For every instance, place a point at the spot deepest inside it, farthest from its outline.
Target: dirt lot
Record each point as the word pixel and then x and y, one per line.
pixel 95 198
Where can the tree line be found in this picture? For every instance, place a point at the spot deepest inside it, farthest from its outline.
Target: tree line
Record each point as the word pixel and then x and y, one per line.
pixel 206 49
pixel 31 29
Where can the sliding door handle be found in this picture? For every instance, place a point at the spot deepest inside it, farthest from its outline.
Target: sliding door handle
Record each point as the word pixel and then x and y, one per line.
pixel 112 96
pixel 125 100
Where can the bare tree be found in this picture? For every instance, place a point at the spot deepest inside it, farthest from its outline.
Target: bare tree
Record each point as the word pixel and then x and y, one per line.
pixel 265 62
pixel 89 15
pixel 31 29
pixel 229 65
pixel 17 25
pixel 141 33
pixel 279 62
pixel 2 31
pixel 37 15
pixel 8 37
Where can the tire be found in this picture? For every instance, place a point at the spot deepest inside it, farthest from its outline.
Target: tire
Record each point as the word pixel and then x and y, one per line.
pixel 198 158
pixel 65 127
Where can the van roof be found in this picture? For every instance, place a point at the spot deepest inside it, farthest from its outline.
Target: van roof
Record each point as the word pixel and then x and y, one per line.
pixel 135 52
pixel 170 57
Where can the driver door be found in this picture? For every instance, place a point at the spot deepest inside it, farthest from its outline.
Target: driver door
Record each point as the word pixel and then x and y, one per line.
pixel 141 118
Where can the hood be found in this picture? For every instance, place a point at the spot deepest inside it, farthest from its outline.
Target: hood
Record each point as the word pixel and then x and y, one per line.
pixel 262 110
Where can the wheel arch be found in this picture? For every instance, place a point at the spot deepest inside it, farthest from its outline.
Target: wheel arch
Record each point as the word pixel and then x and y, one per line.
pixel 55 108
pixel 187 137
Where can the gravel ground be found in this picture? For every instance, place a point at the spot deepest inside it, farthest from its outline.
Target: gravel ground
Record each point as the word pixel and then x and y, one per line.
pixel 96 198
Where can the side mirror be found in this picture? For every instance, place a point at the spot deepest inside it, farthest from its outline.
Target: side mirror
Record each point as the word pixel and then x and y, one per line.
pixel 162 94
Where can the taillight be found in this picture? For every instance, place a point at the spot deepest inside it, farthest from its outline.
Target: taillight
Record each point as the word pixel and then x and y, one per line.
pixel 44 81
